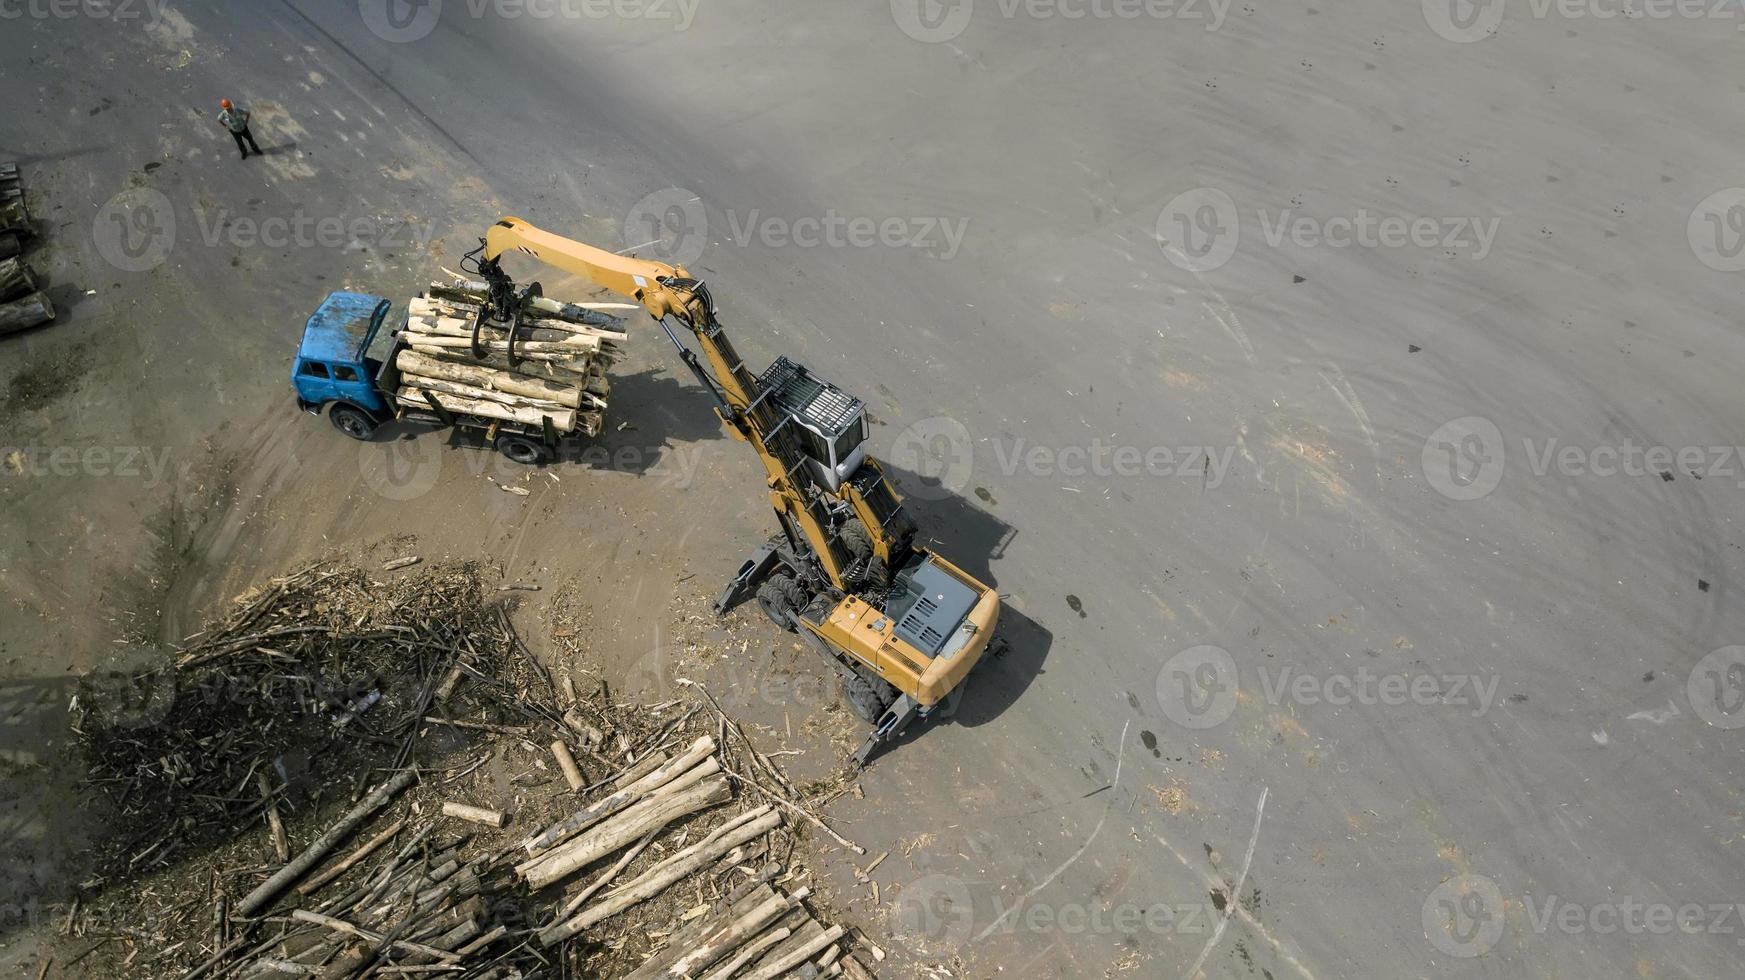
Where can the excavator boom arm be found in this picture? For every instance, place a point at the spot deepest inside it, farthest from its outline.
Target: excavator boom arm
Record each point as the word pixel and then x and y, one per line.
pixel 643 280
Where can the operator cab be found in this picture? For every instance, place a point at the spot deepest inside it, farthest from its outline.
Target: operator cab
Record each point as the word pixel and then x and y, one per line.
pixel 830 423
pixel 333 361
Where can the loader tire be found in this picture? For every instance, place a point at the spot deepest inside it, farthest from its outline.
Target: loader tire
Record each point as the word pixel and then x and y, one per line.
pixel 778 596
pixel 866 697
pixel 859 545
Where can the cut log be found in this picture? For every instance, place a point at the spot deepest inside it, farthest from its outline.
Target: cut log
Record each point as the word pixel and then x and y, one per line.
pixel 475 814
pixel 566 762
pixel 22 314
pixel 662 811
pixel 15 218
pixel 454 326
pixel 855 969
pixel 752 951
pixel 648 764
pixel 729 937
pixel 563 420
pixel 659 878
pixel 342 867
pixel 15 279
pixel 643 785
pixel 481 394
pixel 655 801
pixel 498 346
pixel 300 865
pixel 782 965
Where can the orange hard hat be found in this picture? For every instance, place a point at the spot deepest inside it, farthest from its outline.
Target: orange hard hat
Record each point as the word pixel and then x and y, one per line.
pixel 224 103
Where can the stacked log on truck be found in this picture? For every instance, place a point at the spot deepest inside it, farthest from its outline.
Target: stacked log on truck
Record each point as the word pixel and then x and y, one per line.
pixel 555 369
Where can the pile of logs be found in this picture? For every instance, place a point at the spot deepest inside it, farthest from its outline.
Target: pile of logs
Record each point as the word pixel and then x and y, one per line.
pixel 22 304
pixel 560 355
pixel 397 850
pixel 755 932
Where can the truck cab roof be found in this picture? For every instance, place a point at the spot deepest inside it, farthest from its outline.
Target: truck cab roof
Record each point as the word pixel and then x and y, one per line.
pixel 342 327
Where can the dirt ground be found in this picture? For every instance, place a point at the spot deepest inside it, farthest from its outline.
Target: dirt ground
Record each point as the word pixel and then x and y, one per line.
pixel 157 465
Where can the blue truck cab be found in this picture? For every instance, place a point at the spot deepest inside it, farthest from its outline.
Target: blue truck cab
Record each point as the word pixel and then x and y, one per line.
pixel 334 366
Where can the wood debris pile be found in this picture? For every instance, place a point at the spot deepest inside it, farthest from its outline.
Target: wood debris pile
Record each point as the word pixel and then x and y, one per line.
pixel 557 369
pixel 391 784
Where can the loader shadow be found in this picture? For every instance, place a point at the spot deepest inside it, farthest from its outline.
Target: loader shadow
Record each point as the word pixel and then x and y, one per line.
pixel 647 412
pixel 972 538
pixel 962 532
pixel 42 819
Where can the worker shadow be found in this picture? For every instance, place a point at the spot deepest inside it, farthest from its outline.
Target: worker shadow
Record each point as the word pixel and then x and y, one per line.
pixel 649 413
pixel 41 816
pixel 277 149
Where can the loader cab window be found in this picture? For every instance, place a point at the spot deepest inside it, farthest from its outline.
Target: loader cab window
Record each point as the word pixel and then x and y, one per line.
pixel 850 438
pixel 313 369
pixel 343 373
pixel 814 444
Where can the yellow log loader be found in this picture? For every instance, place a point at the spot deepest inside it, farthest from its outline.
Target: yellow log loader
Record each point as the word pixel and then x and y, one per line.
pixel 901 625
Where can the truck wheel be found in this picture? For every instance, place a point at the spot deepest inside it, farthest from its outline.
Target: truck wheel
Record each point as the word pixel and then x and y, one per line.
pixel 778 596
pixel 522 450
pixel 353 422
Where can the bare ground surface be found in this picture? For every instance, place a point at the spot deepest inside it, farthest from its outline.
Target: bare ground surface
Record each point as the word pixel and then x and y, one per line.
pixel 1063 799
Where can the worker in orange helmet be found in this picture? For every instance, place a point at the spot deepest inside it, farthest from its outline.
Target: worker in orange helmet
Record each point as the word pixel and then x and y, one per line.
pixel 236 120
